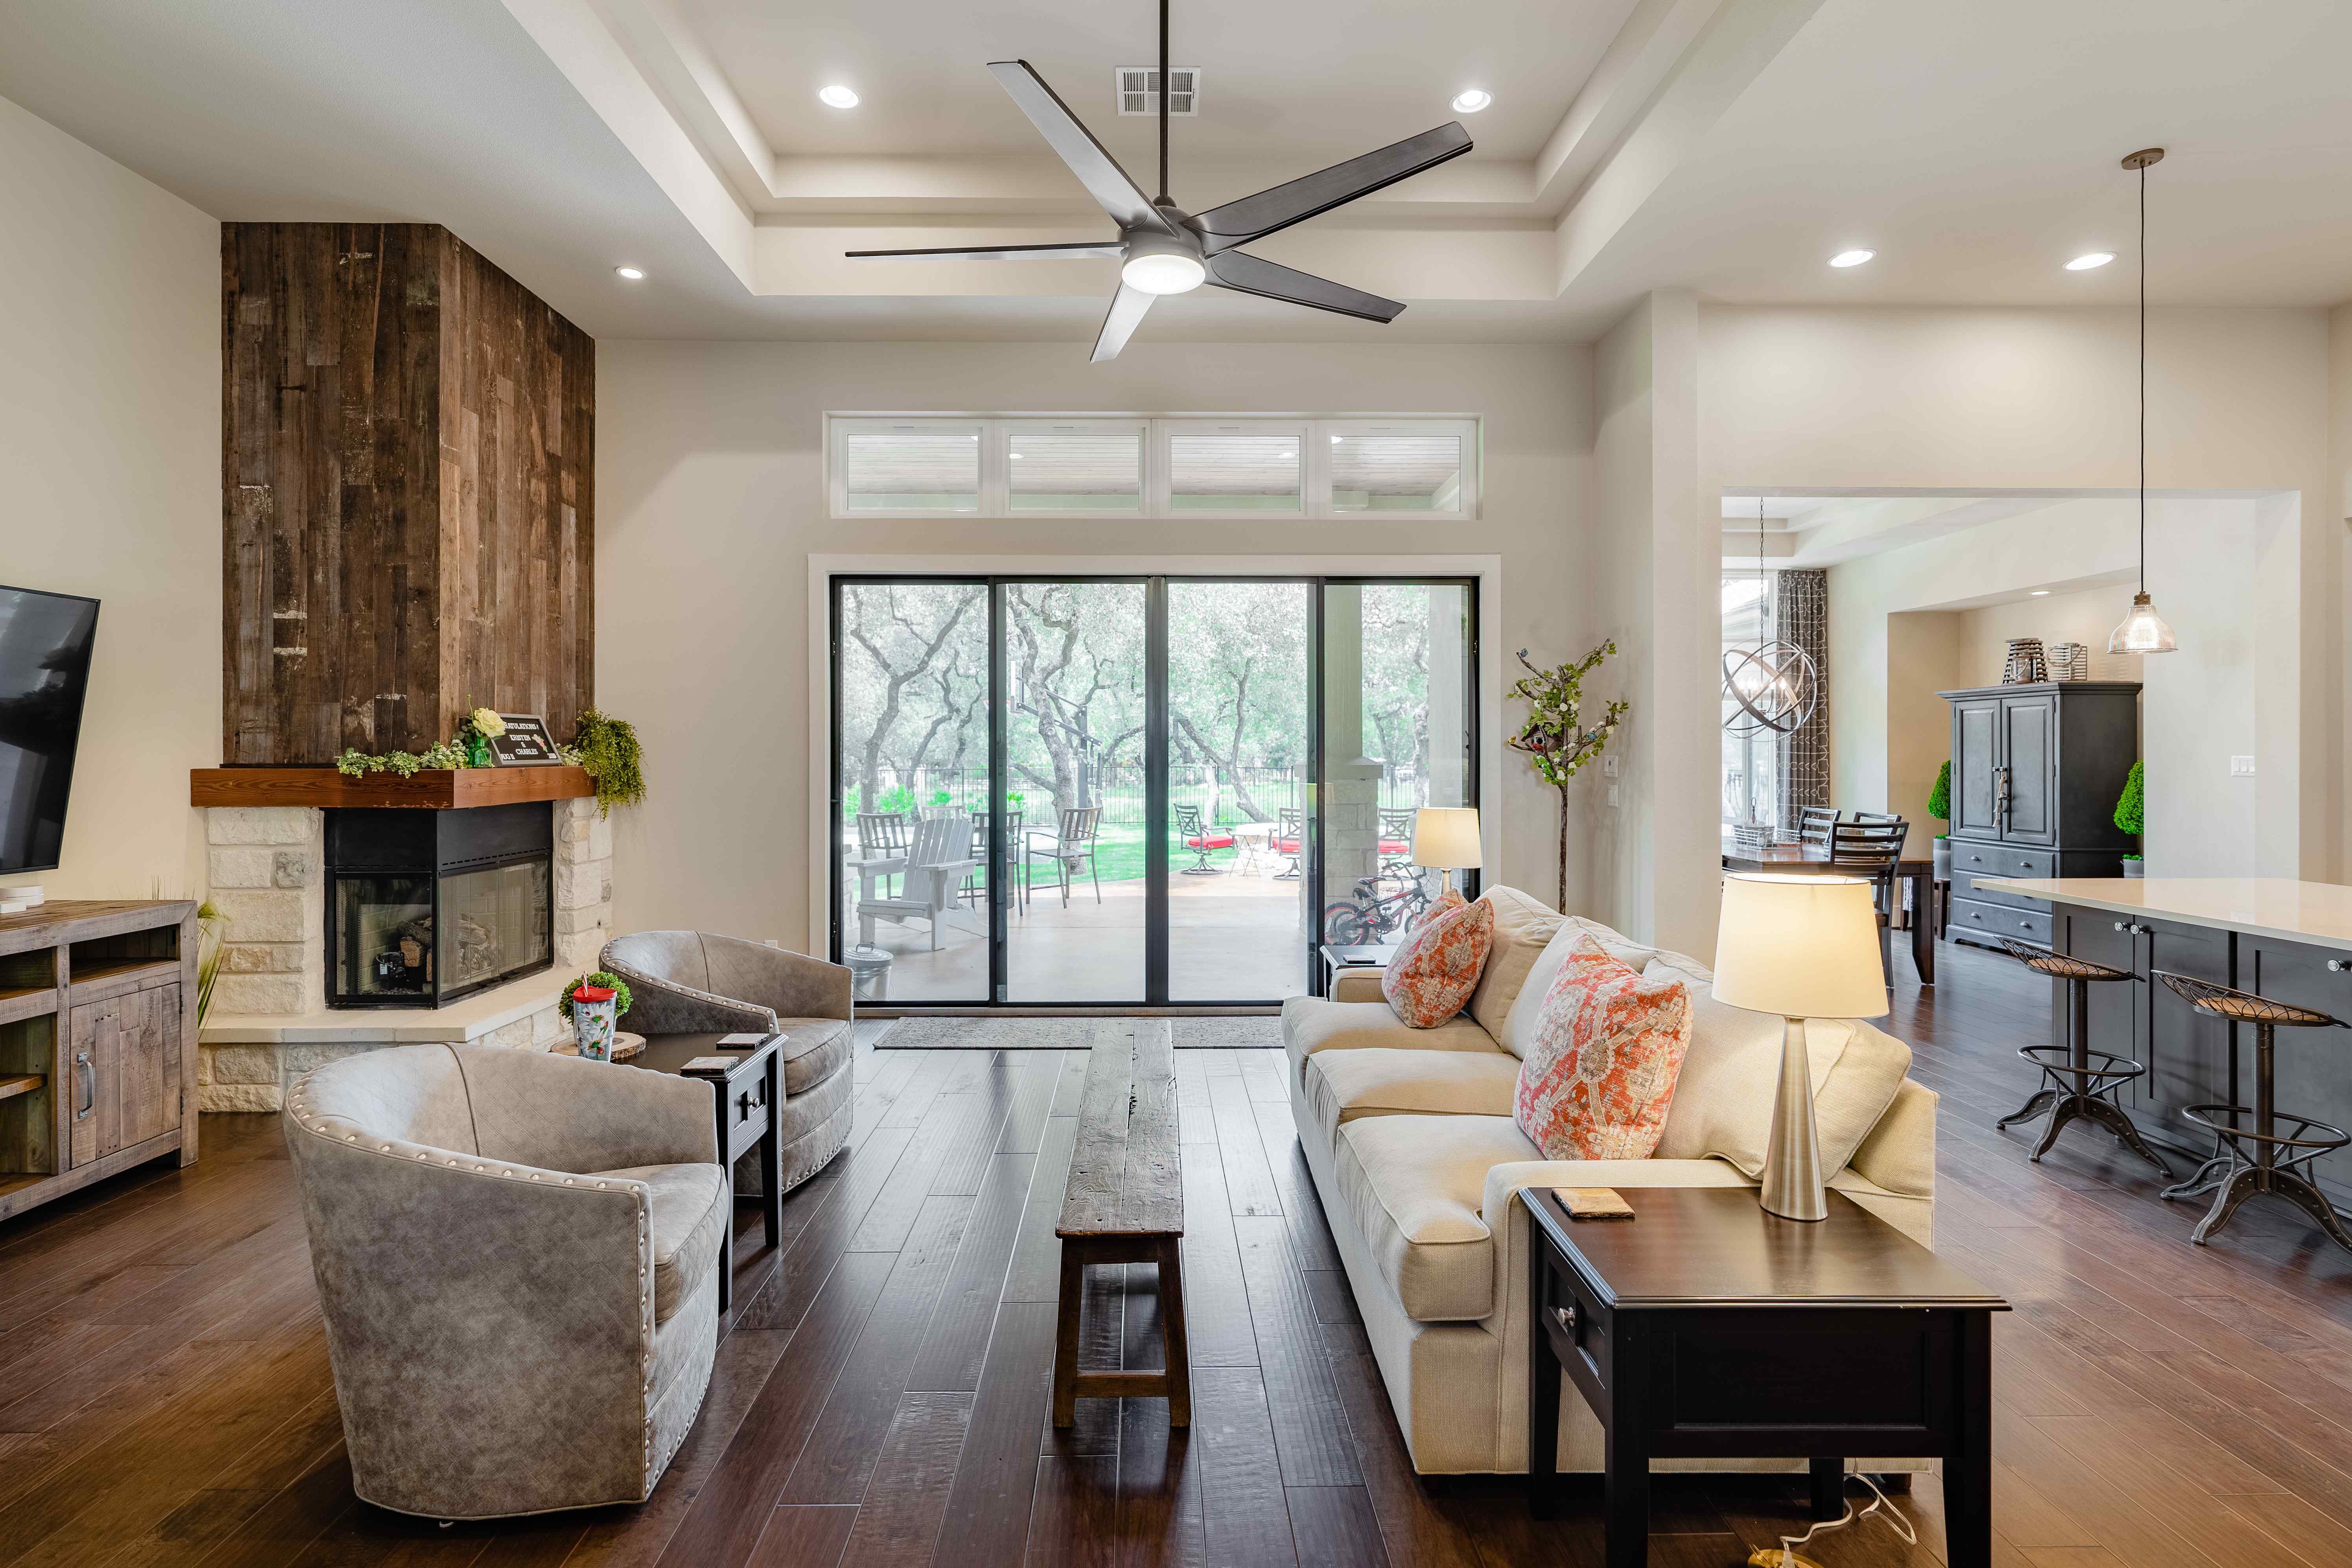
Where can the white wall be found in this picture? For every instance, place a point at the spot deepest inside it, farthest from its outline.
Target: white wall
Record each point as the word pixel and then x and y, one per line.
pixel 1889 655
pixel 110 403
pixel 709 504
pixel 2006 401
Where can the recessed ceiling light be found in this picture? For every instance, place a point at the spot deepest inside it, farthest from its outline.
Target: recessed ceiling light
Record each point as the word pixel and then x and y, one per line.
pixel 2089 259
pixel 1017 456
pixel 2038 593
pixel 1851 257
pixel 838 96
pixel 1471 101
pixel 633 274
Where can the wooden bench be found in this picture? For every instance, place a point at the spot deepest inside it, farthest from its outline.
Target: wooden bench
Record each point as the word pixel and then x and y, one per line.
pixel 1125 1203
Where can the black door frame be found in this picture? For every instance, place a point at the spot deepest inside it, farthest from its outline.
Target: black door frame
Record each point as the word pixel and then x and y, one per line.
pixel 1156 767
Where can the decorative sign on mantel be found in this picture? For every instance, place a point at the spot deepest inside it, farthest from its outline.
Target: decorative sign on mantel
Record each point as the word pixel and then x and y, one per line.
pixel 525 744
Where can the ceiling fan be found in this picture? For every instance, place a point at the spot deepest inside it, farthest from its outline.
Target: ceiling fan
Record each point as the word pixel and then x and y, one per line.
pixel 1166 250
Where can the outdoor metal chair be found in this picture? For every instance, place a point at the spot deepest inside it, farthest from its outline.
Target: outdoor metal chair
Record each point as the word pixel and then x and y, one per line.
pixel 1200 838
pixel 1290 838
pixel 1396 842
pixel 882 836
pixel 1071 848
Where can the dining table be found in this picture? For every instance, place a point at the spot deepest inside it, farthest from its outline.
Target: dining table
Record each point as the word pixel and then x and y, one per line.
pixel 1813 860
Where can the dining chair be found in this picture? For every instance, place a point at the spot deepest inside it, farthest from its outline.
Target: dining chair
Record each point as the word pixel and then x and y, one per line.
pixel 1874 850
pixel 1814 822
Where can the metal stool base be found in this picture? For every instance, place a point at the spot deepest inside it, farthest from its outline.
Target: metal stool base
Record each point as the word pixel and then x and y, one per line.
pixel 2273 1168
pixel 2084 1099
pixel 2289 1186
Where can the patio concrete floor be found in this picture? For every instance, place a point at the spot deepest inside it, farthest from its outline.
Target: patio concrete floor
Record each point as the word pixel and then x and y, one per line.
pixel 1232 937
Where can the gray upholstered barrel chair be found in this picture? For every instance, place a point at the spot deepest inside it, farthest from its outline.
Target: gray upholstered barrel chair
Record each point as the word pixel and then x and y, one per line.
pixel 517 1260
pixel 688 981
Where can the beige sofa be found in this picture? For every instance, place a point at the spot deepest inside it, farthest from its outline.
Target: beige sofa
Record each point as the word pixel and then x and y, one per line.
pixel 1410 1136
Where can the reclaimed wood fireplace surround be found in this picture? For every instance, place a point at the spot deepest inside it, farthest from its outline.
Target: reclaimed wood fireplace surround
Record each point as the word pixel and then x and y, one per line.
pixel 408 532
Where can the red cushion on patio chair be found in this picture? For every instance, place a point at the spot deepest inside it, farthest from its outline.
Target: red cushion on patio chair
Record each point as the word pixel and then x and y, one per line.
pixel 1213 841
pixel 1393 847
pixel 1285 845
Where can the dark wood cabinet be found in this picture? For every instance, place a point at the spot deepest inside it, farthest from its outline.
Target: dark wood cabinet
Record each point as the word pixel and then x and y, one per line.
pixel 2036 771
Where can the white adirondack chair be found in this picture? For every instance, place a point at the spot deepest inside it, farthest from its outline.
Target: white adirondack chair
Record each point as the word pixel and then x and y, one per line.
pixel 938 857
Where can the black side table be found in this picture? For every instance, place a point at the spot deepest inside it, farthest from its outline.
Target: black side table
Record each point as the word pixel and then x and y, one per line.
pixel 749 1097
pixel 1337 957
pixel 1706 1328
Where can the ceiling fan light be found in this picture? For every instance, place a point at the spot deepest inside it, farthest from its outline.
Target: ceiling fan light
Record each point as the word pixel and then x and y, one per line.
pixel 2142 631
pixel 1163 272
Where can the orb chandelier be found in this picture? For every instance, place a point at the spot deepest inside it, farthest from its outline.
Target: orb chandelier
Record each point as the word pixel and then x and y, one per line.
pixel 1775 687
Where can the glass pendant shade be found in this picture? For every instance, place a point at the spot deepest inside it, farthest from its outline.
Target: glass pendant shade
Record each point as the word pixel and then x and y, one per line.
pixel 2142 631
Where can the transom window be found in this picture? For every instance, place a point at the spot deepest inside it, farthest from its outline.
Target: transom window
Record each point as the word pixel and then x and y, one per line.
pixel 1132 467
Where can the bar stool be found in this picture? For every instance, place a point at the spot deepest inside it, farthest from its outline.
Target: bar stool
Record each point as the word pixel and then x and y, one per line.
pixel 2261 1159
pixel 2077 1080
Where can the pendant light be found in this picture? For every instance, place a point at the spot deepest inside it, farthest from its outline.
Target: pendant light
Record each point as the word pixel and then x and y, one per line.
pixel 2143 630
pixel 1775 687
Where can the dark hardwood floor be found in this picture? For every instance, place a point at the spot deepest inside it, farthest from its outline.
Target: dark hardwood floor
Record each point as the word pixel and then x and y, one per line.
pixel 164 1396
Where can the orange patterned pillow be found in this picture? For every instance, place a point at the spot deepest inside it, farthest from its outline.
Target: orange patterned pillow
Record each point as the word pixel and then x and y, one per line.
pixel 1600 1071
pixel 1437 967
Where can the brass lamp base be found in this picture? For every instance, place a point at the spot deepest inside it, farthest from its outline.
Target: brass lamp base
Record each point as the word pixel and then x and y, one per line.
pixel 1792 1186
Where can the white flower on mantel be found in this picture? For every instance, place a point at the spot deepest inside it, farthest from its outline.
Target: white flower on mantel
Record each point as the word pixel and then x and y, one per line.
pixel 487 724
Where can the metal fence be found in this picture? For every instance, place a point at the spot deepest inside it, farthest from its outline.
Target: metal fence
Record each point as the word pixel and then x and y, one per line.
pixel 1120 791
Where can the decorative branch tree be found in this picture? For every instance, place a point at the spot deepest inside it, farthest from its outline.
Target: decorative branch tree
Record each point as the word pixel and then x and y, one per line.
pixel 1555 737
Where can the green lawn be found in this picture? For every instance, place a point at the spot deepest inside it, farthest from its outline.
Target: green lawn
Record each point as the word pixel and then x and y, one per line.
pixel 1119 849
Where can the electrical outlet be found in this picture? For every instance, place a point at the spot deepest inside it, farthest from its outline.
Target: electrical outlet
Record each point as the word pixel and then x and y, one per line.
pixel 1609 767
pixel 2241 767
pixel 1612 794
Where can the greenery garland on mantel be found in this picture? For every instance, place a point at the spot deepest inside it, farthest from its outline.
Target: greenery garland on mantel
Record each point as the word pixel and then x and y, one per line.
pixel 607 750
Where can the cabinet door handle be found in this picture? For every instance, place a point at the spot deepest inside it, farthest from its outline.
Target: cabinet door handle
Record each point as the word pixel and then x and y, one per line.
pixel 1567 1316
pixel 85 1081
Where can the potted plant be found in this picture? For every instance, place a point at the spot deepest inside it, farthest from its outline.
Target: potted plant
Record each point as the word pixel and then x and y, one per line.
pixel 593 1004
pixel 2131 816
pixel 1556 739
pixel 1939 806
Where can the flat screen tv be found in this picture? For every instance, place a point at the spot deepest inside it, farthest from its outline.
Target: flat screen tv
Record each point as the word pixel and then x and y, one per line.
pixel 45 642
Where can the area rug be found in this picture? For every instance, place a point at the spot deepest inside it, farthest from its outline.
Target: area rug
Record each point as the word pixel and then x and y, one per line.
pixel 1066 1034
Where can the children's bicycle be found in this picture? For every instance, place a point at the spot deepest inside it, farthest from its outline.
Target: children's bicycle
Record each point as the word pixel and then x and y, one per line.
pixel 1372 916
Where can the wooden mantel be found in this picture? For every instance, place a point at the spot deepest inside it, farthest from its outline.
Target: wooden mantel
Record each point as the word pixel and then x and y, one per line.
pixel 435 789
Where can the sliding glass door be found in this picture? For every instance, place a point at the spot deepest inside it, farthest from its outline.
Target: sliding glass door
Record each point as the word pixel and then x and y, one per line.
pixel 1148 791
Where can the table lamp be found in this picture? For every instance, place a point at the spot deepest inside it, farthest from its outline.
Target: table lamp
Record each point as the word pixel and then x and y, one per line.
pixel 1803 947
pixel 1445 838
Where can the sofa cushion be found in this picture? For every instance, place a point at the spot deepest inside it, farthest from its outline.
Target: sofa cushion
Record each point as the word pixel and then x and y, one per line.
pixel 813 1050
pixel 686 1205
pixel 1436 968
pixel 1310 1024
pixel 1723 1105
pixel 1523 928
pixel 1519 1021
pixel 1341 1086
pixel 1602 1064
pixel 1410 1187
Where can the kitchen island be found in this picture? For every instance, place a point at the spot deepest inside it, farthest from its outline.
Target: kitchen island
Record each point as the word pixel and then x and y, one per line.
pixel 2286 940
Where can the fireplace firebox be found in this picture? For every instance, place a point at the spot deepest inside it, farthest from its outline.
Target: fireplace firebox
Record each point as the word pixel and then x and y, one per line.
pixel 425 907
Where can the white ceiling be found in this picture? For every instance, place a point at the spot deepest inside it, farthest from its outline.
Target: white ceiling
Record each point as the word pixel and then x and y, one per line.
pixel 1723 145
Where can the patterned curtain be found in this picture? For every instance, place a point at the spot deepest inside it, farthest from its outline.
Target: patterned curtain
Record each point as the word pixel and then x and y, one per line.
pixel 1801 604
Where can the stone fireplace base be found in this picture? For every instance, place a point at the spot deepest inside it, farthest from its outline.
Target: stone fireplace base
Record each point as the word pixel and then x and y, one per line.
pixel 266 867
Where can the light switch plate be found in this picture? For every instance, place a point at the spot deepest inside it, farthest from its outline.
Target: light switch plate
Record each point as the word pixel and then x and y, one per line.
pixel 2241 767
pixel 1609 767
pixel 1612 794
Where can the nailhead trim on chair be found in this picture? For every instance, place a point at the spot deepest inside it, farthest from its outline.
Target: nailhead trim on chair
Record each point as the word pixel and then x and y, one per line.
pixel 299 1101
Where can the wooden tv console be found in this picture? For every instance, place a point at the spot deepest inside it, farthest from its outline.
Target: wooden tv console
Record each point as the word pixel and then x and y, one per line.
pixel 98 1044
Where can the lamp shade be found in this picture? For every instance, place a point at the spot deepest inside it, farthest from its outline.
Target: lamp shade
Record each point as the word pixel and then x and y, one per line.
pixel 1803 947
pixel 1446 837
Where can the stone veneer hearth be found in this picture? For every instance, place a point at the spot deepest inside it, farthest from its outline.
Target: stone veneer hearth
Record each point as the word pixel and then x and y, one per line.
pixel 266 871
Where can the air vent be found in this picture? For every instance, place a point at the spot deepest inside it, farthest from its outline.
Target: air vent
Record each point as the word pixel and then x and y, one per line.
pixel 1136 87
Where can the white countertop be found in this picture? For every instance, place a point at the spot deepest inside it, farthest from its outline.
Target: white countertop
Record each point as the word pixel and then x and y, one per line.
pixel 468 1019
pixel 2317 912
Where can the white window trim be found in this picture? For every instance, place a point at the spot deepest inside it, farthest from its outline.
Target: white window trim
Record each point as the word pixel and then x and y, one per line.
pixel 996 432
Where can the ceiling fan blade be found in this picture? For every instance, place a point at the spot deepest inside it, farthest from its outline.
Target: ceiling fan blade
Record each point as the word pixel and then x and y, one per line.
pixel 1126 309
pixel 1095 167
pixel 1254 275
pixel 1253 218
pixel 1083 250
